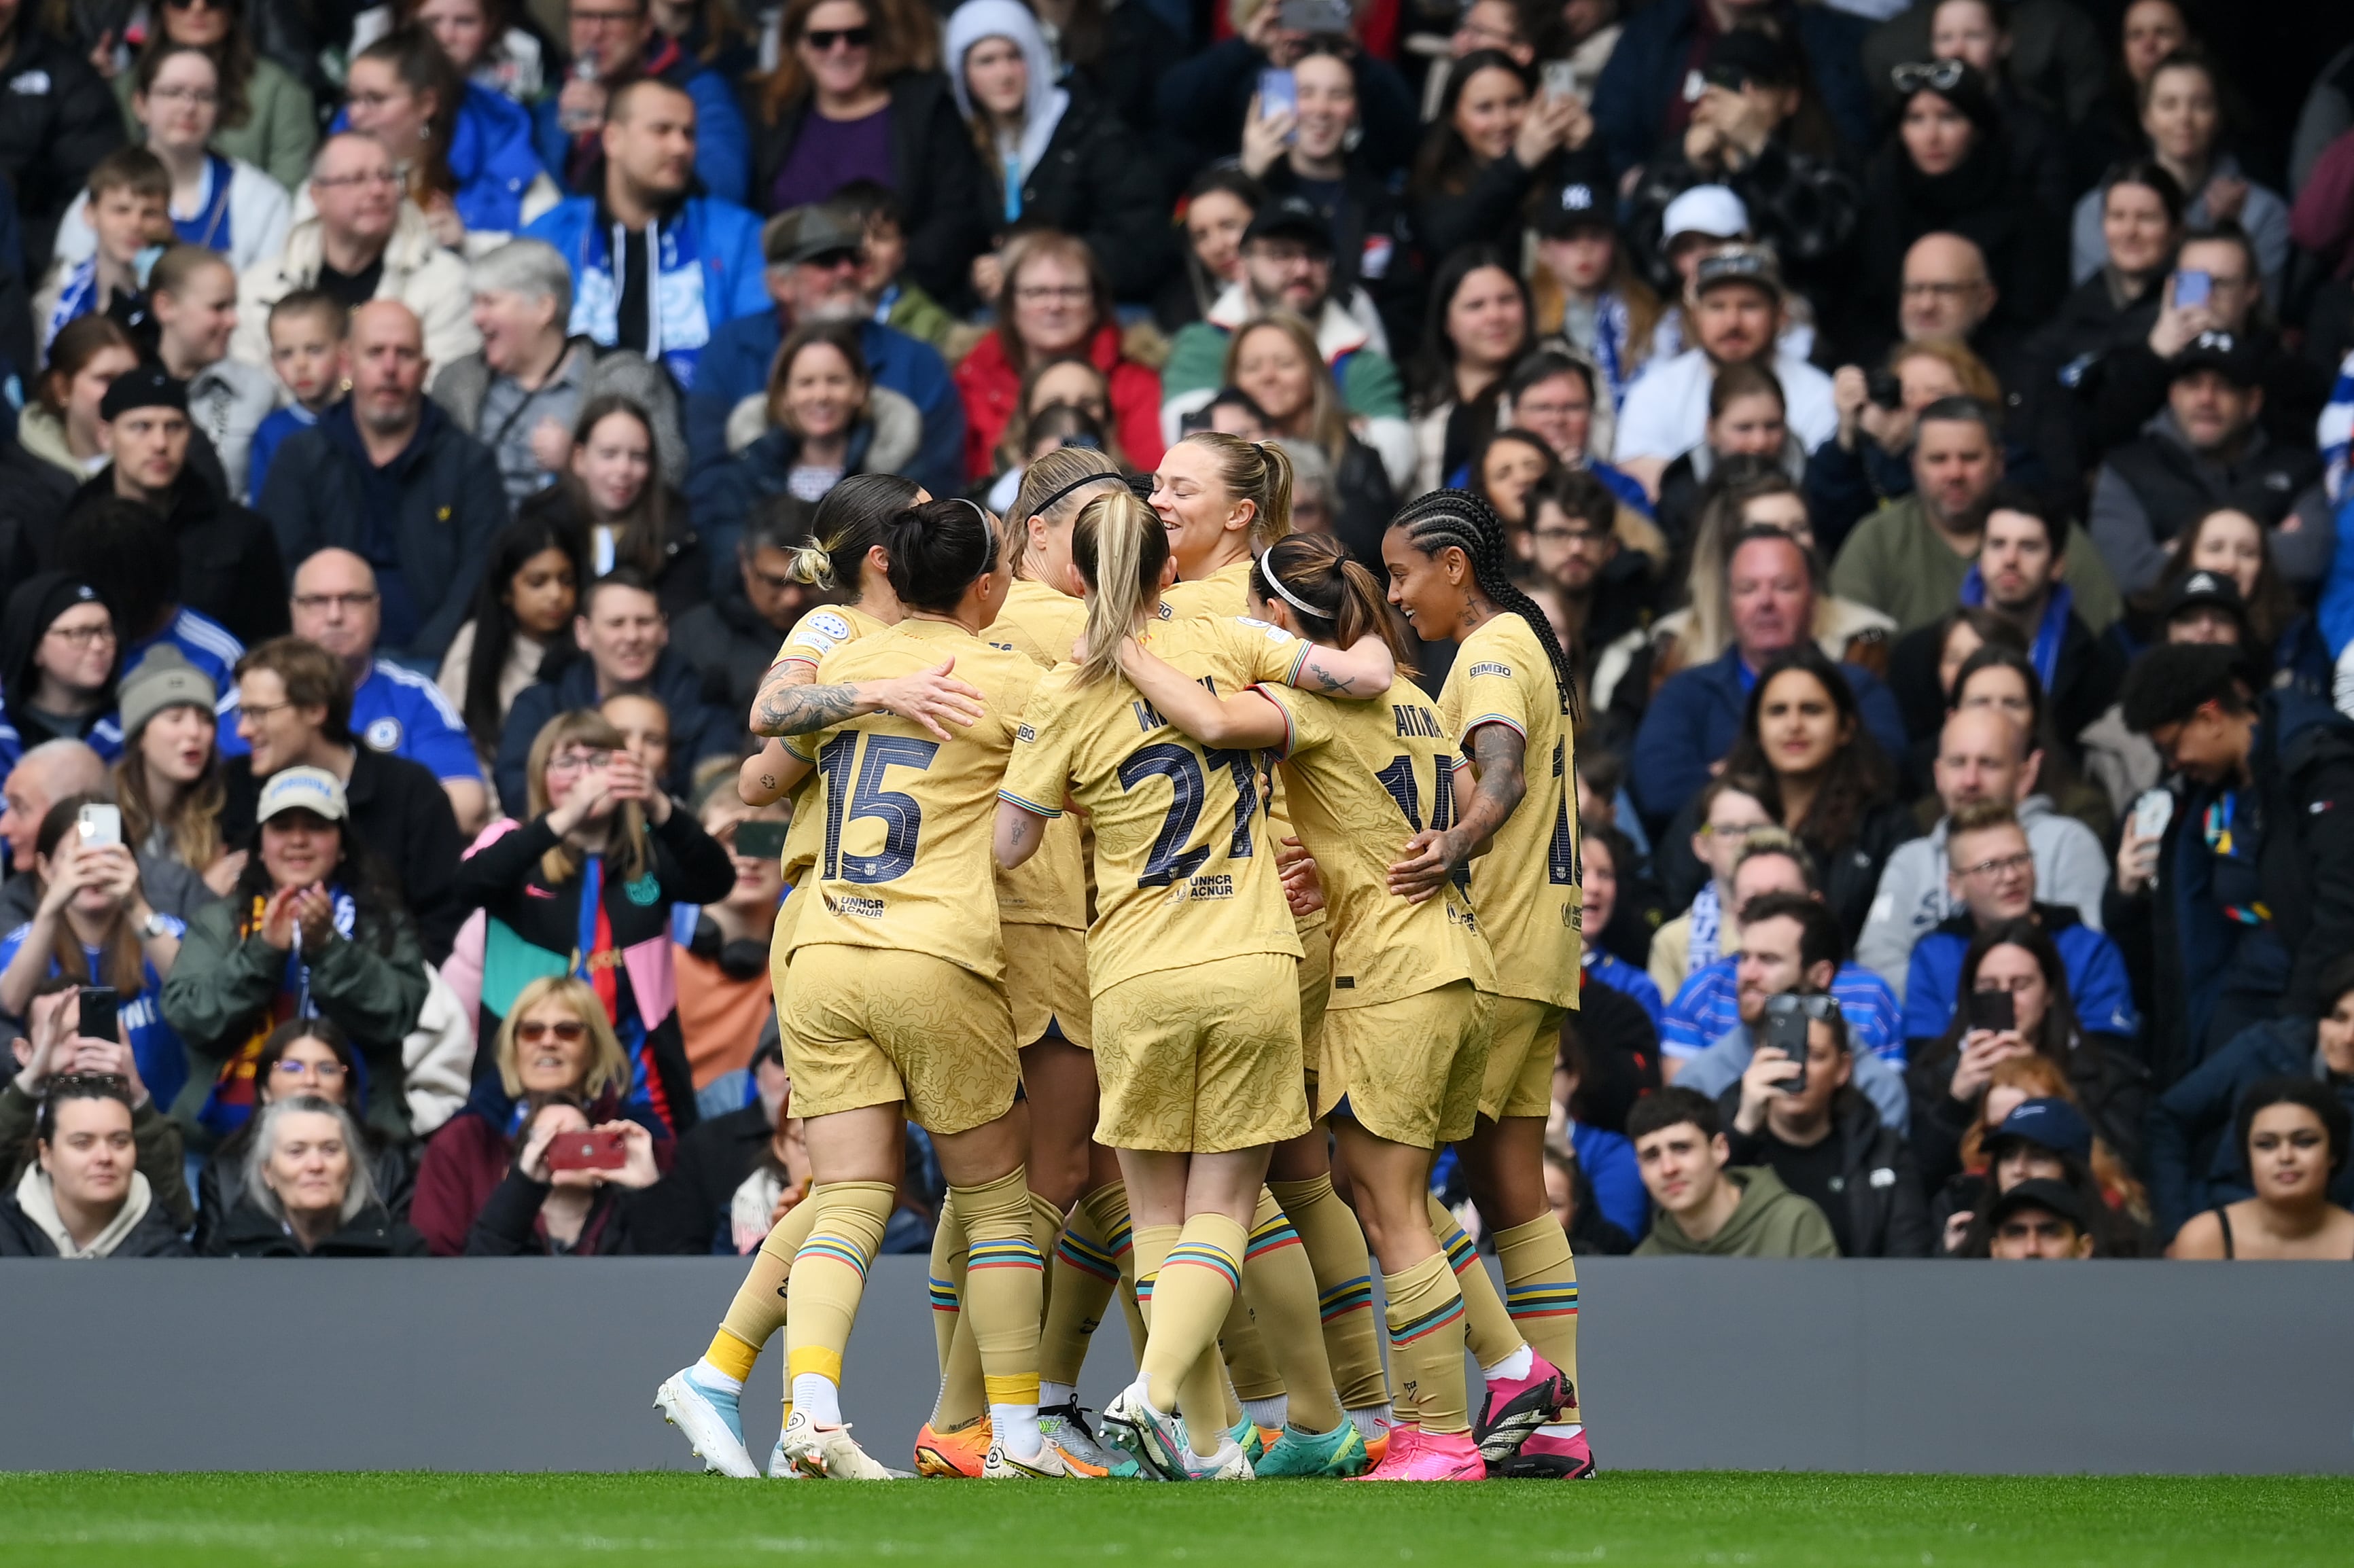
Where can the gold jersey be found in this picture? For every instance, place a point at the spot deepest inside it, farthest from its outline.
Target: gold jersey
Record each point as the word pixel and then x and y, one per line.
pixel 1050 888
pixel 905 857
pixel 1525 887
pixel 1224 592
pixel 819 633
pixel 1364 778
pixel 1184 862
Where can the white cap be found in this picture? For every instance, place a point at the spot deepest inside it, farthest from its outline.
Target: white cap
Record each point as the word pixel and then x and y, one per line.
pixel 312 790
pixel 1712 210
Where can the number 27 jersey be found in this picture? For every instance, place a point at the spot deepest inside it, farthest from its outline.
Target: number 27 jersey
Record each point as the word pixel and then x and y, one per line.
pixel 1185 865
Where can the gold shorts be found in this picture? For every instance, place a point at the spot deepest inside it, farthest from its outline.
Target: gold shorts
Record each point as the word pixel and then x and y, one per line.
pixel 1046 984
pixel 1315 985
pixel 1525 1041
pixel 1204 1059
pixel 873 1026
pixel 1411 1069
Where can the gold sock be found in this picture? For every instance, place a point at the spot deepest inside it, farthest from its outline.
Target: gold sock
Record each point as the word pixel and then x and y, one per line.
pixel 1107 1210
pixel 1080 1278
pixel 830 1274
pixel 758 1309
pixel 1205 1387
pixel 1344 1287
pixel 1540 1293
pixel 1425 1323
pixel 1487 1329
pixel 1281 1288
pixel 1005 1282
pixel 1193 1289
pixel 1250 1365
pixel 946 1280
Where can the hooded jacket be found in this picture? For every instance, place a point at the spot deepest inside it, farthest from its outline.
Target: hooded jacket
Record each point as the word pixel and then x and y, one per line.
pixel 724 238
pixel 2301 809
pixel 1887 1214
pixel 417 272
pixel 1076 168
pixel 2097 986
pixel 29 1225
pixel 446 505
pixel 247 1232
pixel 162 1154
pixel 2150 491
pixel 501 185
pixel 1771 1222
pixel 2192 1163
pixel 2071 870
pixel 56 121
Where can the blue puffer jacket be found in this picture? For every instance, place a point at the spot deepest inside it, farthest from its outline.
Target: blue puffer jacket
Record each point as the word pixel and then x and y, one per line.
pixel 2097 985
pixel 491 156
pixel 726 240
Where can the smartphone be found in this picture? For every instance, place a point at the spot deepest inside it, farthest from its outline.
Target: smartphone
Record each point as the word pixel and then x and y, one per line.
pixel 2152 810
pixel 1313 17
pixel 1992 1009
pixel 1278 90
pixel 1785 1031
pixel 761 840
pixel 1560 79
pixel 98 1012
pixel 101 824
pixel 2193 288
pixel 599 1149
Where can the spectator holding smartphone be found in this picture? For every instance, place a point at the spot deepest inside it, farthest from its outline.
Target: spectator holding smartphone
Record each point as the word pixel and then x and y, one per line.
pixel 308 1192
pixel 566 1208
pixel 55 1054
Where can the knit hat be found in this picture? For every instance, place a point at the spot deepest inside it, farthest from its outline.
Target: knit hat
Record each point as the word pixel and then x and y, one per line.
pixel 33 607
pixel 161 679
pixel 147 386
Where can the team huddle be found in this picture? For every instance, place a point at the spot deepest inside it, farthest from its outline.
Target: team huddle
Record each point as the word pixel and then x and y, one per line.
pixel 1132 867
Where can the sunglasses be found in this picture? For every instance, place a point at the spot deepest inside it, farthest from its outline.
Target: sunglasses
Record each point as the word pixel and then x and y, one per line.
pixel 824 39
pixel 1938 76
pixel 570 1032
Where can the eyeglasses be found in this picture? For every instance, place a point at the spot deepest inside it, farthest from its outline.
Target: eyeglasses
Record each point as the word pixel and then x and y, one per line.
pixel 823 40
pixel 323 1070
pixel 1730 830
pixel 364 177
pixel 310 602
pixel 574 762
pixel 2001 868
pixel 262 709
pixel 571 1030
pixel 83 636
pixel 1056 293
pixel 203 97
pixel 1938 75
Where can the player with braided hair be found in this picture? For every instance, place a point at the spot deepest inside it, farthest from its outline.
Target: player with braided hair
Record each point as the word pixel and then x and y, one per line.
pixel 1510 701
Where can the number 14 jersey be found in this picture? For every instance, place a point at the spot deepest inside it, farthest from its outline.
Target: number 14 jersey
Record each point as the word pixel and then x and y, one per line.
pixel 1185 865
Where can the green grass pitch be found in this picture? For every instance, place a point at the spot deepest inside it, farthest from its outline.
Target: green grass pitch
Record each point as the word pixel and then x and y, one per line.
pixel 1715 1521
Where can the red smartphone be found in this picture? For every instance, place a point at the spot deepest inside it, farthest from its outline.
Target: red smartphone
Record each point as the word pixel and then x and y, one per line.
pixel 599 1149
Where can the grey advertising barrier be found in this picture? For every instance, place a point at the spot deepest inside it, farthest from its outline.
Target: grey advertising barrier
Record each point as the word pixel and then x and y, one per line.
pixel 551 1364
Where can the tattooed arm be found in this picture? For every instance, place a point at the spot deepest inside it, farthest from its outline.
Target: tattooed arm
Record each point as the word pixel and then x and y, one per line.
pixel 1364 672
pixel 792 703
pixel 1018 834
pixel 769 775
pixel 1432 855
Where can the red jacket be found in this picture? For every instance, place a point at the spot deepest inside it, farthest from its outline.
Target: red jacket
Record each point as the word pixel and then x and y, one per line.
pixel 991 387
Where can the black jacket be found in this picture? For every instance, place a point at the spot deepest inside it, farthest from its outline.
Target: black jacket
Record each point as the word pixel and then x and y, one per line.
pixel 1203 99
pixel 1852 871
pixel 505 878
pixel 2177 486
pixel 1887 1214
pixel 2192 1163
pixel 220 1185
pixel 697 730
pixel 2085 679
pixel 730 648
pixel 401 811
pixel 2110 1087
pixel 1622 1055
pixel 2025 246
pixel 684 1210
pixel 231 567
pixel 57 119
pixel 34 493
pixel 448 505
pixel 508 1225
pixel 154 1236
pixel 1805 207
pixel 1490 208
pixel 2303 819
pixel 685 579
pixel 247 1232
pixel 1096 180
pixel 2131 383
pixel 1374 248
pixel 934 169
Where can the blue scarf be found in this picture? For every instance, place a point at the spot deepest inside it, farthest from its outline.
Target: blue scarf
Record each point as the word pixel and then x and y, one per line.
pixel 681 318
pixel 210 226
pixel 75 300
pixel 1707 914
pixel 2049 632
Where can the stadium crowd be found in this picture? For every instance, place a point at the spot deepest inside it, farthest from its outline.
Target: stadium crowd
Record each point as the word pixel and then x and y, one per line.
pixel 1925 428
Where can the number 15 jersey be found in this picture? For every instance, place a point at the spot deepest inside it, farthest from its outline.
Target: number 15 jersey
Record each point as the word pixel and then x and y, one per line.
pixel 1185 865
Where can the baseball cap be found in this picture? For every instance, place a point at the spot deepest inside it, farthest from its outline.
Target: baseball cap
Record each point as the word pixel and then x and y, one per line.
pixel 2042 1192
pixel 1582 198
pixel 1737 264
pixel 804 233
pixel 144 387
pixel 1290 217
pixel 2201 588
pixel 2048 1123
pixel 312 790
pixel 161 679
pixel 1712 210
pixel 2232 354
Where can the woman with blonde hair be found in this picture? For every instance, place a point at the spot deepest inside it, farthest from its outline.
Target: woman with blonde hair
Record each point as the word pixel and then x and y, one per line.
pixel 1224 501
pixel 1275 359
pixel 585 887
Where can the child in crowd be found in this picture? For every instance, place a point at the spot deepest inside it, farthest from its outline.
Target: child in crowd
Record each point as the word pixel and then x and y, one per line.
pixel 899 301
pixel 130 200
pixel 306 348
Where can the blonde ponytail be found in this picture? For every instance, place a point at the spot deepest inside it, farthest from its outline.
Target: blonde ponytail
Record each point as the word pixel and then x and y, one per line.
pixel 811 565
pixel 1256 471
pixel 1121 550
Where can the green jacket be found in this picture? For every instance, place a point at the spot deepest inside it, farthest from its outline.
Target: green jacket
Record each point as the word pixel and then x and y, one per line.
pixel 1772 1222
pixel 1368 383
pixel 154 1136
pixel 281 130
pixel 1897 562
pixel 919 315
pixel 221 985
